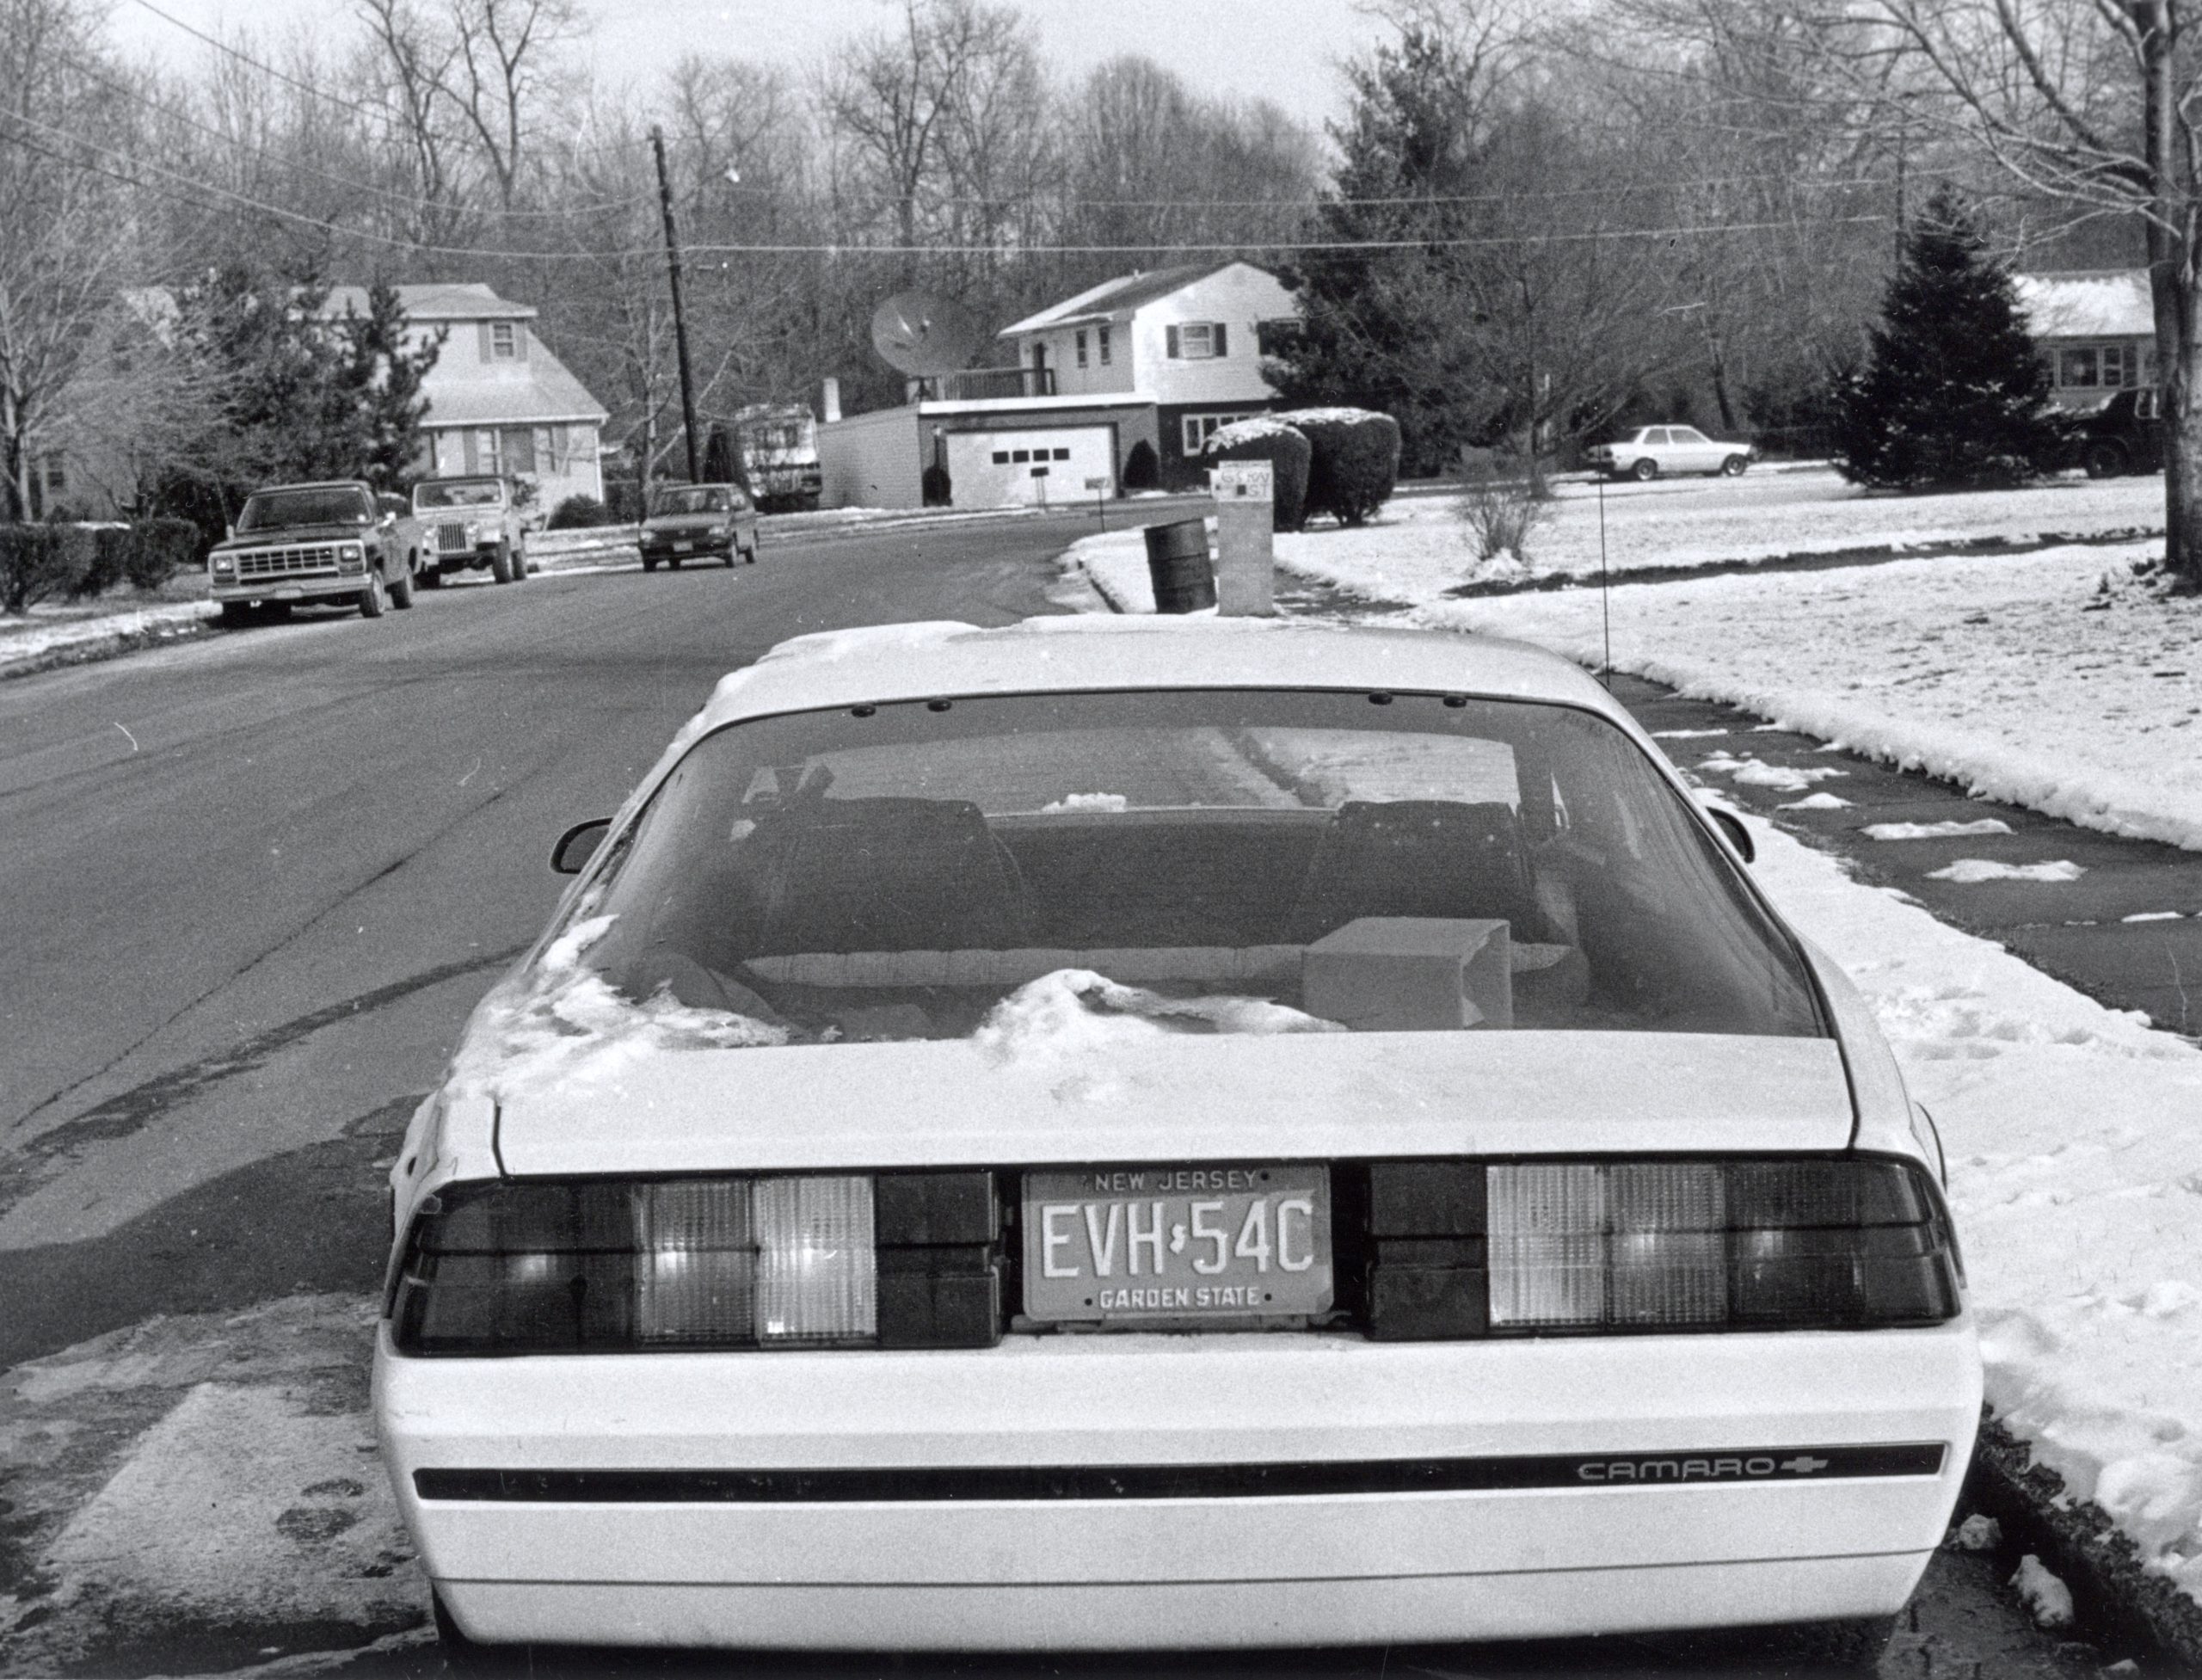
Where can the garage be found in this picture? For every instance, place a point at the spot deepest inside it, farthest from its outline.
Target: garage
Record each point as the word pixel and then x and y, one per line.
pixel 1012 469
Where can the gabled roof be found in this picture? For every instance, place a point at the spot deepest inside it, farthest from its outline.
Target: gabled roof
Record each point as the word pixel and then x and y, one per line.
pixel 1120 296
pixel 2108 302
pixel 537 391
pixel 453 300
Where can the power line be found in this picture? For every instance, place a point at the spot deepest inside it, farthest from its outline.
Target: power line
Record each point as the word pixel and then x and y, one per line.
pixel 844 250
pixel 241 56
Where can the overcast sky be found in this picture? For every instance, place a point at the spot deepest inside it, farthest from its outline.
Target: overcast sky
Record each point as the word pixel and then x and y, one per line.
pixel 1283 50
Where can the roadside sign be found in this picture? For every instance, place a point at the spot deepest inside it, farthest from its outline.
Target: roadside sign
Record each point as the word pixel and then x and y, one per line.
pixel 1243 481
pixel 1100 483
pixel 1039 473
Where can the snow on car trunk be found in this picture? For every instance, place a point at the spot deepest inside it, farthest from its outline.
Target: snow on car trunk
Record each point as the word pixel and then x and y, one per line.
pixel 1077 1096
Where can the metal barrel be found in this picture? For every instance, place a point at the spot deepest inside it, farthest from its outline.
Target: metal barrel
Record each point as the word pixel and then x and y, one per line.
pixel 1176 559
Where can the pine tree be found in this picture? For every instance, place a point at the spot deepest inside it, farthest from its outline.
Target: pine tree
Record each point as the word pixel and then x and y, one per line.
pixel 1954 394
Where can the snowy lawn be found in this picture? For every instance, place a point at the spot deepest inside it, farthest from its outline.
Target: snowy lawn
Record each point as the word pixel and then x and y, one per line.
pixel 2074 1137
pixel 1418 547
pixel 2017 676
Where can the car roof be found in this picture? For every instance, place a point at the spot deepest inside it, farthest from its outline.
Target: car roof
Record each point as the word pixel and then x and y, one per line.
pixel 319 484
pixel 1072 653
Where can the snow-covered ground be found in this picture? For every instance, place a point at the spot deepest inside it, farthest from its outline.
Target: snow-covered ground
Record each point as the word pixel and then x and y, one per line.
pixel 1418 547
pixel 2074 1136
pixel 2022 677
pixel 28 641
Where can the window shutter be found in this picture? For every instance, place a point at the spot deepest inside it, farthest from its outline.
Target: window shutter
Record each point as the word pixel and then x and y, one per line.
pixel 488 352
pixel 1222 343
pixel 472 451
pixel 519 340
pixel 1171 345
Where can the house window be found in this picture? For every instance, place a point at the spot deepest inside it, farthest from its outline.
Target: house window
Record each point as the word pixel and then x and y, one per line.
pixel 519 449
pixel 504 341
pixel 1080 340
pixel 489 455
pixel 1001 458
pixel 1021 455
pixel 551 455
pixel 1101 334
pixel 1198 428
pixel 1197 341
pixel 2079 370
pixel 1062 454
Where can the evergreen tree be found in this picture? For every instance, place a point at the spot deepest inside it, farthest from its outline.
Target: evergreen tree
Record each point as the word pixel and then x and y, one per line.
pixel 1954 393
pixel 379 380
pixel 1380 327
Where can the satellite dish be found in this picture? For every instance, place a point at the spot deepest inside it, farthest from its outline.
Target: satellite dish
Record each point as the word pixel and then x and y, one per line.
pixel 922 334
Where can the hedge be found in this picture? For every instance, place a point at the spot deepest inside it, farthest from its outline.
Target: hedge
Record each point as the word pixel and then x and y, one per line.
pixel 37 561
pixel 1356 460
pixel 1284 448
pixel 579 512
pixel 161 548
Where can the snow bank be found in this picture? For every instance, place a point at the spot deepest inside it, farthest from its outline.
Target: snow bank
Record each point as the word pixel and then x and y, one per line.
pixel 1912 831
pixel 2074 1136
pixel 1967 871
pixel 2052 681
pixel 26 640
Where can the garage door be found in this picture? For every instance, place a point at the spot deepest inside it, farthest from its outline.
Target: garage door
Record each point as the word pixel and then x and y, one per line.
pixel 1011 469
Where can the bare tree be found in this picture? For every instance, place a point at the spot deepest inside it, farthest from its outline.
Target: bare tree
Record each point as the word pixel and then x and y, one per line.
pixel 2092 104
pixel 65 205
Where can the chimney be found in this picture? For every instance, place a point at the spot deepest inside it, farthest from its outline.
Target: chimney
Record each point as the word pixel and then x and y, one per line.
pixel 830 400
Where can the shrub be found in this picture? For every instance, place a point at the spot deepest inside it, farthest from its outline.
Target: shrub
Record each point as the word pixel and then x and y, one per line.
pixel 111 549
pixel 1499 505
pixel 159 549
pixel 1356 460
pixel 37 561
pixel 935 487
pixel 579 512
pixel 1143 469
pixel 1284 448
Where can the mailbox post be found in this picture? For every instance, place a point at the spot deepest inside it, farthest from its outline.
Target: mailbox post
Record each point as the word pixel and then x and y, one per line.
pixel 1245 494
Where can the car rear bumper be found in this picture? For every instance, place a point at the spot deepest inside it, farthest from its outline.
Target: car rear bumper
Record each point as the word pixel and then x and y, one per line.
pixel 878 1558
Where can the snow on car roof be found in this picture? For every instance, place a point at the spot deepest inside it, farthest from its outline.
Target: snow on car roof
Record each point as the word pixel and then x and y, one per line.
pixel 1069 652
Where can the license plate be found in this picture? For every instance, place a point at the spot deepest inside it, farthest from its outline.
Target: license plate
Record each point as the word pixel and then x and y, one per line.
pixel 684 548
pixel 1112 1244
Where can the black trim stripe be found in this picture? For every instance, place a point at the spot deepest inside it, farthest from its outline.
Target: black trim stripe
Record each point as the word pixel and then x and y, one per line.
pixel 1710 1467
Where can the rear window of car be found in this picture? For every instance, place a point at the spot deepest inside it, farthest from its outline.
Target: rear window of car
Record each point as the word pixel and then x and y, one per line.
pixel 462 493
pixel 1239 860
pixel 279 510
pixel 712 500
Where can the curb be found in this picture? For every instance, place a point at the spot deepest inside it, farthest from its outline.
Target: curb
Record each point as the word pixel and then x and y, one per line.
pixel 2120 1603
pixel 1832 559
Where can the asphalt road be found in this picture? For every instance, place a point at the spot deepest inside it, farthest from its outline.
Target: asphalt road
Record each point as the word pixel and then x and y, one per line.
pixel 251 888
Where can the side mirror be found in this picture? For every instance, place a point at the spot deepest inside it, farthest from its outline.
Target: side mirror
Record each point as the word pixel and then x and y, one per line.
pixel 578 845
pixel 1732 827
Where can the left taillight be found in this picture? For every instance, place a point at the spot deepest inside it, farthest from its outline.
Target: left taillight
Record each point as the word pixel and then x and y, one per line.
pixel 780 1260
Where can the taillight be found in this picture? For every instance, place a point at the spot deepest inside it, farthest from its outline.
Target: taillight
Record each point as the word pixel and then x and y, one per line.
pixel 895 1260
pixel 1545 1247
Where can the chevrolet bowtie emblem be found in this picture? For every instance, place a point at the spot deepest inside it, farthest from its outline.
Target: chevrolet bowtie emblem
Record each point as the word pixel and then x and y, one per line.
pixel 1804 1465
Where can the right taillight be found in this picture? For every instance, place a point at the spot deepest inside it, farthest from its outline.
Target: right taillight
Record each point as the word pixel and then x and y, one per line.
pixel 1553 1248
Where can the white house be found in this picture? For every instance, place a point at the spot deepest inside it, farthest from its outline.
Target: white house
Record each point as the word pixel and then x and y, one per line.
pixel 498 400
pixel 2097 330
pixel 1159 359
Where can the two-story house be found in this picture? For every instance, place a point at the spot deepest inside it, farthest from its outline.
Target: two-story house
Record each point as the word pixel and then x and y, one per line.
pixel 1127 378
pixel 498 400
pixel 2096 331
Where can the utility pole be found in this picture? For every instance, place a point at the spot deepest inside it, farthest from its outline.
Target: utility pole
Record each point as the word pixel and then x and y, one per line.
pixel 679 314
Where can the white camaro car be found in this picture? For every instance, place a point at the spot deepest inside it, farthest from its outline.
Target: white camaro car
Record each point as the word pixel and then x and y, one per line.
pixel 1125 1133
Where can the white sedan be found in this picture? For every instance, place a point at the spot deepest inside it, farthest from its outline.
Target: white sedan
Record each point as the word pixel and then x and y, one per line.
pixel 1649 451
pixel 1132 1133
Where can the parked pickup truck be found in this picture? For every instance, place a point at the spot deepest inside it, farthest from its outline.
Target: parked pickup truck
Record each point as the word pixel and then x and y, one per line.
pixel 2126 434
pixel 470 523
pixel 330 543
